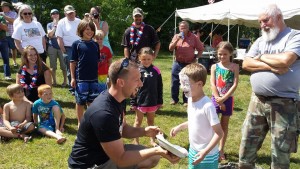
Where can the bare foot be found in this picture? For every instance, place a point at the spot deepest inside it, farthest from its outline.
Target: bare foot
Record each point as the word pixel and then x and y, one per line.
pixel 58 132
pixel 27 138
pixel 61 140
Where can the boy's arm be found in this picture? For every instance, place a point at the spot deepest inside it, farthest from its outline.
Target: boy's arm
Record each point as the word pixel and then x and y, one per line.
pixel 178 128
pixel 27 114
pixel 6 118
pixel 72 71
pixel 213 142
pixel 62 122
pixel 35 119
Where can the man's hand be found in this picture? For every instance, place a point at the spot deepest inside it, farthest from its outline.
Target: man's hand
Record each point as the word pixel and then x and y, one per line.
pixel 152 131
pixel 168 155
pixel 279 70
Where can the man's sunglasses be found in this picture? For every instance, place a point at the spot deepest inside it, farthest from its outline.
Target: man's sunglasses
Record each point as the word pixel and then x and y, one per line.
pixel 27 13
pixel 124 64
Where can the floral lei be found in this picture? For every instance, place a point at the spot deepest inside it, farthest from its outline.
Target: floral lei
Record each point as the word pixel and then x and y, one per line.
pixel 139 35
pixel 33 80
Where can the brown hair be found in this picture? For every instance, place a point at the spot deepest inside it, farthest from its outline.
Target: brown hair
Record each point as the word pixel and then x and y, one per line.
pixel 145 51
pixel 39 61
pixel 43 87
pixel 196 72
pixel 83 25
pixel 117 71
pixel 225 45
pixel 13 88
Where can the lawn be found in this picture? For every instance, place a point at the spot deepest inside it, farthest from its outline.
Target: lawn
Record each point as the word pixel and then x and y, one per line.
pixel 43 152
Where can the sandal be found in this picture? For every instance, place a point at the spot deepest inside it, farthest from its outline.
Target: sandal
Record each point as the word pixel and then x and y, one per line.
pixel 64 85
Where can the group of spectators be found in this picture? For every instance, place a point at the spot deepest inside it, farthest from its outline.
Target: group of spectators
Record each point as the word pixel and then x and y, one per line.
pixel 79 44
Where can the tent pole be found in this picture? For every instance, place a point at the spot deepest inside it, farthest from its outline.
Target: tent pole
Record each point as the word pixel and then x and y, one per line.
pixel 174 34
pixel 237 37
pixel 211 31
pixel 228 30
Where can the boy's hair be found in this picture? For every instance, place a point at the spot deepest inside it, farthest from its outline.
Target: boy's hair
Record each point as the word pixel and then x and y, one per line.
pixel 120 69
pixel 99 33
pixel 13 88
pixel 196 72
pixel 41 89
pixel 145 51
pixel 83 24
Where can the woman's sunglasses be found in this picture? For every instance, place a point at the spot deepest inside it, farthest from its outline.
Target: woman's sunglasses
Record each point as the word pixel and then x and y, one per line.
pixel 27 13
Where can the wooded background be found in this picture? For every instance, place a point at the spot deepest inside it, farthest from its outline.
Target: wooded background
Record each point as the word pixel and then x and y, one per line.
pixel 118 14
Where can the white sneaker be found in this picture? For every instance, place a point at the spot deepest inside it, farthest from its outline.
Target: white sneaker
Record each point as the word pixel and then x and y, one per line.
pixel 7 78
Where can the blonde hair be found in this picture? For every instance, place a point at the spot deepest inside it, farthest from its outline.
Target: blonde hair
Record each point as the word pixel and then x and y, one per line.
pixel 13 88
pixel 196 72
pixel 43 87
pixel 99 33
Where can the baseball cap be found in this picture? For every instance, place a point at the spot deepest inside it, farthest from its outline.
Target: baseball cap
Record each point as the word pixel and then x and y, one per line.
pixel 68 9
pixel 54 11
pixel 3 3
pixel 137 11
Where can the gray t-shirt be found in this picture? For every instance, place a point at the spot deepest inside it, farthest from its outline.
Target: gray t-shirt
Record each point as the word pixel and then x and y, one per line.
pixel 268 83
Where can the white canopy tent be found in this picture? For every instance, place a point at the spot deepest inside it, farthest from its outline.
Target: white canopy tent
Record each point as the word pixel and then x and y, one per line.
pixel 242 12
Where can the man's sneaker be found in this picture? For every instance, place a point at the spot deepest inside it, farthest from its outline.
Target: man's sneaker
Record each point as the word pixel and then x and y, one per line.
pixel 173 102
pixel 7 78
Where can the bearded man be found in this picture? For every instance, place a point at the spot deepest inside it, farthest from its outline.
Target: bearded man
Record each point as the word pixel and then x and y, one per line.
pixel 274 62
pixel 139 35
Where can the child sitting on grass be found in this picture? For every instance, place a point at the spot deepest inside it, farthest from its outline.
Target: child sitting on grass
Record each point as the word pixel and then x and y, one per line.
pixel 16 115
pixel 48 114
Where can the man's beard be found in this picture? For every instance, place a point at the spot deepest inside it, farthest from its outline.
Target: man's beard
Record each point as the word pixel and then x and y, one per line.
pixel 271 35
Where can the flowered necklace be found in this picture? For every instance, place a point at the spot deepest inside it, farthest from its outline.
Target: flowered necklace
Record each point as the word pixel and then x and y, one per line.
pixel 139 35
pixel 33 80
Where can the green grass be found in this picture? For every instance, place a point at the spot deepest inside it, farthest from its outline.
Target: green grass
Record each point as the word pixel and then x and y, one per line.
pixel 43 152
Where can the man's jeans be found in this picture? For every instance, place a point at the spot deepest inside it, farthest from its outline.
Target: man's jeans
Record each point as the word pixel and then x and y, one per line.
pixel 176 68
pixel 5 56
pixel 67 63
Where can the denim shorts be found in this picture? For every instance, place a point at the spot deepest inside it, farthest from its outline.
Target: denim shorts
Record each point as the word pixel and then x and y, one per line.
pixel 86 92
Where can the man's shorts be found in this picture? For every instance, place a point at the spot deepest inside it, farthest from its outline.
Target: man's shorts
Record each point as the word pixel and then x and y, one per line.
pixel 228 104
pixel 11 42
pixel 20 130
pixel 86 92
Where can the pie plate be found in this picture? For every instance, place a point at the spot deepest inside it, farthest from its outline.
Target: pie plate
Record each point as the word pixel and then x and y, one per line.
pixel 174 149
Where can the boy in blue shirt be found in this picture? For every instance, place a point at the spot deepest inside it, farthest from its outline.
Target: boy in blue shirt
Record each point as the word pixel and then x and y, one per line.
pixel 48 115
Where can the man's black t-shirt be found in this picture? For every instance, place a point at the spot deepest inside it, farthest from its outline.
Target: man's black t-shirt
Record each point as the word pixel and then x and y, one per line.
pixel 102 122
pixel 149 39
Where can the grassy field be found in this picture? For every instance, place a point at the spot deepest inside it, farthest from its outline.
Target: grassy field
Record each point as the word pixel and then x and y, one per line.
pixel 43 152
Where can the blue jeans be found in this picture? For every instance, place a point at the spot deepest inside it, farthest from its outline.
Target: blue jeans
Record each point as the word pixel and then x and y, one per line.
pixel 5 56
pixel 176 68
pixel 67 63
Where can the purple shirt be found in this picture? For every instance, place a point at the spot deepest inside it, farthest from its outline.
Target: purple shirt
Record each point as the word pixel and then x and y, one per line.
pixel 11 14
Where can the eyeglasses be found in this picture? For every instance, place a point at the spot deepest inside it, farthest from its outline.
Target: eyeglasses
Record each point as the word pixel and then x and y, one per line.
pixel 27 13
pixel 124 64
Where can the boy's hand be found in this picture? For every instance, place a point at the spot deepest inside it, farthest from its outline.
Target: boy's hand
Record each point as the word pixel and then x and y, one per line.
pixel 73 83
pixel 13 130
pixel 174 131
pixel 198 157
pixel 62 129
